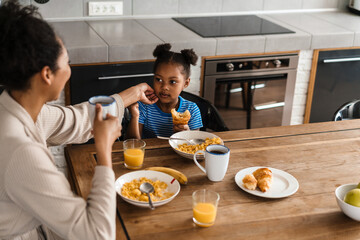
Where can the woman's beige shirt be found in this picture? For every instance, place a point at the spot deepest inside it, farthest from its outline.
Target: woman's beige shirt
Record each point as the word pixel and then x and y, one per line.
pixel 33 192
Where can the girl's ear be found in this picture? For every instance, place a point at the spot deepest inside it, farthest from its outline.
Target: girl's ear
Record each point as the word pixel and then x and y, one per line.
pixel 46 75
pixel 187 82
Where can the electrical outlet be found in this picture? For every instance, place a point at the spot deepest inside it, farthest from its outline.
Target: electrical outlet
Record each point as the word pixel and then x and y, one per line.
pixel 105 8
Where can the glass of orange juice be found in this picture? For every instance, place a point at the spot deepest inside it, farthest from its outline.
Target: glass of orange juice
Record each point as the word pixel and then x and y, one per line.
pixel 205 204
pixel 134 151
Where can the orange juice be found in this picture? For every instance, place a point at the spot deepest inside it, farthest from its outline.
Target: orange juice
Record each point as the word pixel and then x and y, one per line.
pixel 204 213
pixel 134 158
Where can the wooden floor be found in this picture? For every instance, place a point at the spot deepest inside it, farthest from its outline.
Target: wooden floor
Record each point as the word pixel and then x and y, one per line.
pixel 235 115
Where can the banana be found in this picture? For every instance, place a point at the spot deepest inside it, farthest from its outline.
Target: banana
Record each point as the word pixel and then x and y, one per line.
pixel 175 173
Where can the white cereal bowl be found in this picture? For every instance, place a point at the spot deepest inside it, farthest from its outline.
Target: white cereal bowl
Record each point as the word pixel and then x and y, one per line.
pixel 190 135
pixel 173 185
pixel 349 210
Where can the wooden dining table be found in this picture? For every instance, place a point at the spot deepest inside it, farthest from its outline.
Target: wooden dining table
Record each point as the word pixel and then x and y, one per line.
pixel 321 156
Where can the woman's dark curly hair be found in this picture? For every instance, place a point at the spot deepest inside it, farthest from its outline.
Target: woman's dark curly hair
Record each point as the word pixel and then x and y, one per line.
pixel 185 58
pixel 27 44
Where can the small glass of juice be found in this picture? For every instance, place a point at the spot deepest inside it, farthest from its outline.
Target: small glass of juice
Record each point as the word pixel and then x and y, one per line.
pixel 205 204
pixel 134 151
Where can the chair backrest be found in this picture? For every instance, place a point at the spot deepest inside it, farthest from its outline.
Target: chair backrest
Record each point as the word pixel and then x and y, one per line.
pixel 211 117
pixel 347 111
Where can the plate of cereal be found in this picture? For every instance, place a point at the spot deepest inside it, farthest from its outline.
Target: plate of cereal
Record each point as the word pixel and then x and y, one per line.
pixel 183 148
pixel 166 187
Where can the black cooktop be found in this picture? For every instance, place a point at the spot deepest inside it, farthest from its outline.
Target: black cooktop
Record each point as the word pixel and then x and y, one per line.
pixel 226 26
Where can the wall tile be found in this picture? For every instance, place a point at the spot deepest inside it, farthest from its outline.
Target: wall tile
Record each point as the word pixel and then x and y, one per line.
pixel 240 45
pixel 342 4
pixel 199 6
pixel 23 2
pixel 153 7
pixel 242 5
pixel 282 4
pixel 127 4
pixel 60 9
pixel 320 4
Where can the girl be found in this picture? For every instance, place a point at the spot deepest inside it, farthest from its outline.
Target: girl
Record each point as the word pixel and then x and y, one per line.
pixel 171 76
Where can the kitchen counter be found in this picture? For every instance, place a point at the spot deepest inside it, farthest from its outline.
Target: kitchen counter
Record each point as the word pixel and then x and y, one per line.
pixel 135 39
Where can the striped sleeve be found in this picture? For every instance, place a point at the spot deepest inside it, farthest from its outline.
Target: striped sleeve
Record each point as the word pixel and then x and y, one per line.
pixel 195 121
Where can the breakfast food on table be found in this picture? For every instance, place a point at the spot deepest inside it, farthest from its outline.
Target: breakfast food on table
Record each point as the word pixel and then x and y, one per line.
pixel 352 197
pixel 188 148
pixel 250 182
pixel 182 179
pixel 180 118
pixel 132 191
pixel 263 177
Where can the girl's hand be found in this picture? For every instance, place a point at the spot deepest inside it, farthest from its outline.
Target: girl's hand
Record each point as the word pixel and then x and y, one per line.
pixel 179 128
pixel 105 131
pixel 134 110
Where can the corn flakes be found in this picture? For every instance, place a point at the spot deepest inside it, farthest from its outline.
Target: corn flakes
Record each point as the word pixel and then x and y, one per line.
pixel 132 191
pixel 191 149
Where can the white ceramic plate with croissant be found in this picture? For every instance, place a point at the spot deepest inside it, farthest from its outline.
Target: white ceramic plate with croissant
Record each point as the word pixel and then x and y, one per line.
pixel 283 183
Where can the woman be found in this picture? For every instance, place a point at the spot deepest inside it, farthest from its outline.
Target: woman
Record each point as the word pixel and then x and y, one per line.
pixel 36 201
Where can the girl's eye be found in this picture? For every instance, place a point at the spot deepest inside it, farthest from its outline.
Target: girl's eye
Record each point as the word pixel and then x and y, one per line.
pixel 173 82
pixel 158 79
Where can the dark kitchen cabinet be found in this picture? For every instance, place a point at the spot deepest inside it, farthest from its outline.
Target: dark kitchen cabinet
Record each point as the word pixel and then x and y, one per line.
pixel 105 79
pixel 334 80
pixel 88 80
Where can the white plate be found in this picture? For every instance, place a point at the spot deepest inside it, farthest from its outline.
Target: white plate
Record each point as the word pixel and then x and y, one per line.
pixel 190 135
pixel 173 185
pixel 283 184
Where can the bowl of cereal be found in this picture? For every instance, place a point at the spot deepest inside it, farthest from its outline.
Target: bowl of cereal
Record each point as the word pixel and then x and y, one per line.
pixel 183 148
pixel 128 187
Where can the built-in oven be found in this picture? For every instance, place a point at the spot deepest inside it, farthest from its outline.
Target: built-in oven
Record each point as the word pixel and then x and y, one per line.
pixel 251 91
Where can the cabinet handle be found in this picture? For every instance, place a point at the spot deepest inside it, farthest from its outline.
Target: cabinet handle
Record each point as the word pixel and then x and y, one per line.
pixel 127 76
pixel 335 60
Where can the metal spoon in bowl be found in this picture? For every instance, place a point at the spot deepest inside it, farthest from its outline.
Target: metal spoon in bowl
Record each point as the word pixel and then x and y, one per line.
pixel 193 141
pixel 148 188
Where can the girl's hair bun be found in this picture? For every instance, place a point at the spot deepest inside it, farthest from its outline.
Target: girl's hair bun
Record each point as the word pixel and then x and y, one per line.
pixel 161 49
pixel 190 56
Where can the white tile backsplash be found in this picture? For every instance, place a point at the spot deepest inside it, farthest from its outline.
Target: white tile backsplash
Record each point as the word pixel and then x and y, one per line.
pixel 320 4
pixel 198 6
pixel 155 7
pixel 282 5
pixel 64 9
pixel 242 5
pixel 61 9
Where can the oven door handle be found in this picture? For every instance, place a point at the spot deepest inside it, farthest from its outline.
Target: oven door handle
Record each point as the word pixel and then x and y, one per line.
pixel 126 76
pixel 336 60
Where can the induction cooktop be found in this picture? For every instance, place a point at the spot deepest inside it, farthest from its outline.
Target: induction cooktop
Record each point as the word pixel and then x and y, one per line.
pixel 226 26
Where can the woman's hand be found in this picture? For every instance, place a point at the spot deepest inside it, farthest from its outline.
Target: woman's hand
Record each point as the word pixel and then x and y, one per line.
pixel 141 92
pixel 179 128
pixel 105 133
pixel 147 94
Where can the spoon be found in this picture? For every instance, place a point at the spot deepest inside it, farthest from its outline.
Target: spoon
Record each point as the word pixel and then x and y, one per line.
pixel 193 141
pixel 148 188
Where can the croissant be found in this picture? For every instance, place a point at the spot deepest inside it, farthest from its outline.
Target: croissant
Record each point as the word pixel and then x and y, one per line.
pixel 180 118
pixel 264 178
pixel 250 182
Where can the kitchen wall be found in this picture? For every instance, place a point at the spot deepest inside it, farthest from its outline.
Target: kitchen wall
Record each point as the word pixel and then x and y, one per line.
pixel 56 10
pixel 77 9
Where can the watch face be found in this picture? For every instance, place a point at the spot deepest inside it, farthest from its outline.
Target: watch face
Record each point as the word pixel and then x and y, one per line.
pixel 41 1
